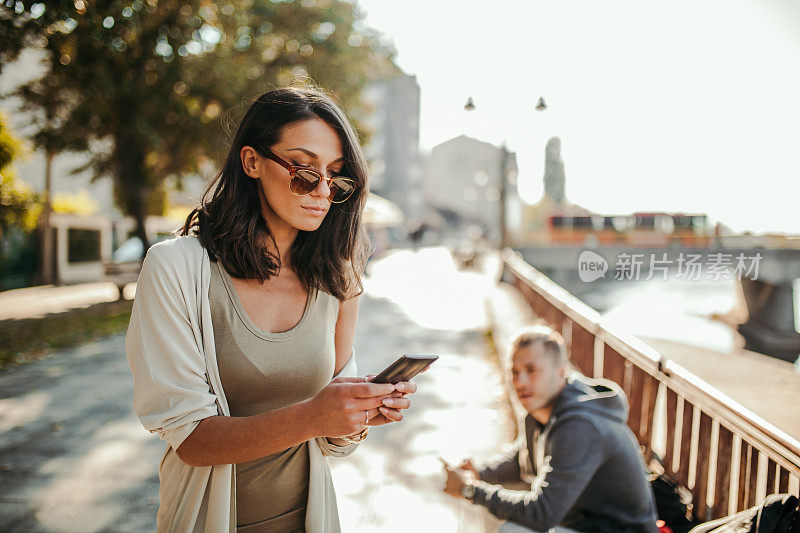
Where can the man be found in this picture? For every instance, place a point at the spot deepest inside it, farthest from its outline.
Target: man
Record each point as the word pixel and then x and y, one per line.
pixel 578 454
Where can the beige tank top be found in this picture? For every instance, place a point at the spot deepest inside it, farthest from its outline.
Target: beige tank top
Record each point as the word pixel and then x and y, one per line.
pixel 262 371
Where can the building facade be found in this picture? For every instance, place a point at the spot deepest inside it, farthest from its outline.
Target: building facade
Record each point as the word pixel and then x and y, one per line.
pixel 464 186
pixel 397 171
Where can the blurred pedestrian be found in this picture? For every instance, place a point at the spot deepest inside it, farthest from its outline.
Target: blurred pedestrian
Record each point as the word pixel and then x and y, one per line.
pixel 241 336
pixel 417 235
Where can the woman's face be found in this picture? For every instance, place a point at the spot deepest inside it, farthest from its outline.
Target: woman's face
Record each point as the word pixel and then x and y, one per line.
pixel 312 143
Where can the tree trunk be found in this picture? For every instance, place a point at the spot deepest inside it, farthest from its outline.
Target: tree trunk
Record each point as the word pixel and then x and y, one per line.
pixel 46 258
pixel 139 213
pixel 132 183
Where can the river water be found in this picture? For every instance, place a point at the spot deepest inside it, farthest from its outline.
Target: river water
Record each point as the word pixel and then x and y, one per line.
pixel 671 309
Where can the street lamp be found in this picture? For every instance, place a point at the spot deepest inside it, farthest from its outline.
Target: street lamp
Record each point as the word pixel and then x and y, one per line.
pixel 540 105
pixel 469 106
pixel 503 185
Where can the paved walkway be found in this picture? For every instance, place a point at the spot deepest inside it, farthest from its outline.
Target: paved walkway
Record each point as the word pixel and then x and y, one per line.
pixel 73 456
pixel 419 303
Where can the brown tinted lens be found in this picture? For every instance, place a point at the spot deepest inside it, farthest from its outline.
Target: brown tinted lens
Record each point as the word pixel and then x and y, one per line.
pixel 303 182
pixel 341 189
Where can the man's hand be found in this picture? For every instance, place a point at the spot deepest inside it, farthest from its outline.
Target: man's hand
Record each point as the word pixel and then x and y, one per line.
pixel 456 479
pixel 467 465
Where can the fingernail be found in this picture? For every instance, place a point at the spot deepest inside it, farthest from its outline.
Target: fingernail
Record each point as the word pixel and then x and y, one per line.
pixel 388 402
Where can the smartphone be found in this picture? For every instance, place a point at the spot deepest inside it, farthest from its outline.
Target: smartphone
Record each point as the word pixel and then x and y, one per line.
pixel 405 368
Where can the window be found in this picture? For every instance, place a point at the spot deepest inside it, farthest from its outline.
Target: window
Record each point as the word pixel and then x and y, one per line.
pixel 83 245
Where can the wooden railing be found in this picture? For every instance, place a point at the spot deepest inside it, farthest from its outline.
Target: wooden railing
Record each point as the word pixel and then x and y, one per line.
pixel 726 456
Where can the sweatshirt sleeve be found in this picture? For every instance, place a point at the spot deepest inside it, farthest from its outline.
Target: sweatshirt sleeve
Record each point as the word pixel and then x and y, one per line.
pixel 575 457
pixel 171 393
pixel 504 467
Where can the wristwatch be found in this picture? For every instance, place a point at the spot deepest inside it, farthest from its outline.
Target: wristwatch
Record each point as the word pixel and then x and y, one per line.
pixel 468 490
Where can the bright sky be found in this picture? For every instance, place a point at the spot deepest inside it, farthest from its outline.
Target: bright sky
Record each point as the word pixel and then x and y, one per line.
pixel 678 106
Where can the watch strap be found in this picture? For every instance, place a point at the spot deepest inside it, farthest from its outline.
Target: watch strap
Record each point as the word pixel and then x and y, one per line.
pixel 468 490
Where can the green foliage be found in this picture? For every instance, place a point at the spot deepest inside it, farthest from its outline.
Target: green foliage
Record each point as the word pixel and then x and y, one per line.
pixel 10 146
pixel 19 206
pixel 155 77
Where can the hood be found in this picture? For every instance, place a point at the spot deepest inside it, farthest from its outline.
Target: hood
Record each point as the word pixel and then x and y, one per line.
pixel 601 397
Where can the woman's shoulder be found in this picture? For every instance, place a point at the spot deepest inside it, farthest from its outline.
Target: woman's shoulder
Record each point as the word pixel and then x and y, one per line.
pixel 176 249
pixel 179 257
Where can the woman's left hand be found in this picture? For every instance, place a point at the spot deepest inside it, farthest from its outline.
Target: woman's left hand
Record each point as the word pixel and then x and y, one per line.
pixel 392 405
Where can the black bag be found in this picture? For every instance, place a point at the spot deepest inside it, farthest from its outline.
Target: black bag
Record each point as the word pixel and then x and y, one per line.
pixel 779 513
pixel 671 504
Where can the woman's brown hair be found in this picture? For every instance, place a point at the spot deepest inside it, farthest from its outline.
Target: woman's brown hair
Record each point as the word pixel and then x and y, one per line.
pixel 229 222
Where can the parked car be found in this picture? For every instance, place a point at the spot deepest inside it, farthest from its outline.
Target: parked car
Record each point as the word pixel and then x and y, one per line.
pixel 126 262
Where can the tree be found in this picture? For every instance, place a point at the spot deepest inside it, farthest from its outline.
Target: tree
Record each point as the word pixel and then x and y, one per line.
pixel 142 85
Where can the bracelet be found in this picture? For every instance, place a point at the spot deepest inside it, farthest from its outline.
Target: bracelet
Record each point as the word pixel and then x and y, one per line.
pixel 355 438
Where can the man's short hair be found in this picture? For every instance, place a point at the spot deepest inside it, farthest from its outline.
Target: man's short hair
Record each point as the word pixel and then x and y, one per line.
pixel 551 340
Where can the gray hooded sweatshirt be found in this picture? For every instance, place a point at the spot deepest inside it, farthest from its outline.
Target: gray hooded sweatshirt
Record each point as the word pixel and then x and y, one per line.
pixel 584 466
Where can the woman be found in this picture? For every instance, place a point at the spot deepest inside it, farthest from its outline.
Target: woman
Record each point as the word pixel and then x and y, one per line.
pixel 239 326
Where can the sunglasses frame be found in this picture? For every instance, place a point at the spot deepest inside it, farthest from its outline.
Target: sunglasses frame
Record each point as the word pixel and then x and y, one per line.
pixel 269 154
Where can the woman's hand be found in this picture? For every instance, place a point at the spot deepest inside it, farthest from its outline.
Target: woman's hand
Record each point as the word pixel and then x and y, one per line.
pixel 345 405
pixel 390 410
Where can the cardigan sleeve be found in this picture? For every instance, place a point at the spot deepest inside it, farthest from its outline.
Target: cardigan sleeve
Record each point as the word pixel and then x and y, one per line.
pixel 163 344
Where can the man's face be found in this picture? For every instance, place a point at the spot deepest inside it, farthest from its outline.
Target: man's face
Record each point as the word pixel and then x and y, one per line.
pixel 537 377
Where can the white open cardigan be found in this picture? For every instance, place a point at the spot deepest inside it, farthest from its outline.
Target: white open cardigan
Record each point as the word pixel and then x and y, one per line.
pixel 170 350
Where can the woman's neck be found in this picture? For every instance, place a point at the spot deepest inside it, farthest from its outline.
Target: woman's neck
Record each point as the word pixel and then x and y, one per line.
pixel 283 233
pixel 284 239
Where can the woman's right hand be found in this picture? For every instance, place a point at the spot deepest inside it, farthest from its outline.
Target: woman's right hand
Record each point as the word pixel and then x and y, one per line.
pixel 339 409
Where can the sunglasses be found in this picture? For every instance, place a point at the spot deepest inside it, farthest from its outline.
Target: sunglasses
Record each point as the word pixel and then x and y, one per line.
pixel 304 180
